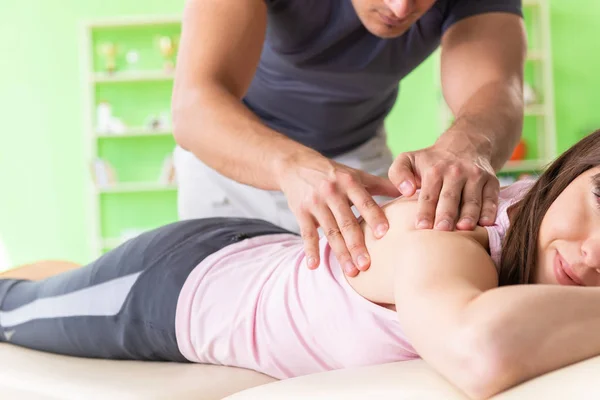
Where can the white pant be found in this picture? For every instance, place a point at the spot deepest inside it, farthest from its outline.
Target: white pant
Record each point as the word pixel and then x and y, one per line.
pixel 205 193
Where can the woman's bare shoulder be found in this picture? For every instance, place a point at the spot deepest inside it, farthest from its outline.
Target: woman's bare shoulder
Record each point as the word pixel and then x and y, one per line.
pixel 377 283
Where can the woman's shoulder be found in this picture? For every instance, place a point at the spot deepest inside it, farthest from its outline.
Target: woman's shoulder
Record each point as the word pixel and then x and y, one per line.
pixel 392 250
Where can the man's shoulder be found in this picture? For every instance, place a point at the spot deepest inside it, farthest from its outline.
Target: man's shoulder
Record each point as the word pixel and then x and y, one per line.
pixel 455 10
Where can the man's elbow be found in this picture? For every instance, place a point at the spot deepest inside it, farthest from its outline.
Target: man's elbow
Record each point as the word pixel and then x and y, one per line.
pixel 180 114
pixel 489 363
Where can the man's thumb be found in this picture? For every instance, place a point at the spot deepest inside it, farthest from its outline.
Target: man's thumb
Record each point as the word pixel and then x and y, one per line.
pixel 402 175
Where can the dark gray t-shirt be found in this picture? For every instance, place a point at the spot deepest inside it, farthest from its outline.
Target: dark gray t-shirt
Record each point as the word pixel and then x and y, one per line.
pixel 326 82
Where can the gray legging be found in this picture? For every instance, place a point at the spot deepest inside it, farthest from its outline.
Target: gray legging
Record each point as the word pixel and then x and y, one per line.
pixel 121 306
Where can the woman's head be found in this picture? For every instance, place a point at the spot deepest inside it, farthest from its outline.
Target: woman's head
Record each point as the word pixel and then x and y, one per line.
pixel 555 228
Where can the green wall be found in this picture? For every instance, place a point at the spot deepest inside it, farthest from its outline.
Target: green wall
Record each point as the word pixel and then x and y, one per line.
pixel 575 66
pixel 43 206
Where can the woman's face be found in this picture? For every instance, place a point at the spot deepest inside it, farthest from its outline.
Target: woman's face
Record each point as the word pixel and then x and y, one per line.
pixel 568 251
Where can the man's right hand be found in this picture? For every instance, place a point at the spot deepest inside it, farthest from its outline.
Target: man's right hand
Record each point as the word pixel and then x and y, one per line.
pixel 320 193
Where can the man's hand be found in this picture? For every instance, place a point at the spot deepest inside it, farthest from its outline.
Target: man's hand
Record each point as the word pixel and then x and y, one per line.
pixel 320 193
pixel 455 186
pixel 482 80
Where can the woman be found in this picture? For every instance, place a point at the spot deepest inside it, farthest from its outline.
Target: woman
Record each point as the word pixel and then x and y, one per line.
pixel 236 292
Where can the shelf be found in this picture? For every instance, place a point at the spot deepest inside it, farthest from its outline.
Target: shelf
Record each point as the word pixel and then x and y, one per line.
pixel 132 76
pixel 134 132
pixel 535 109
pixel 133 21
pixel 136 187
pixel 535 55
pixel 524 166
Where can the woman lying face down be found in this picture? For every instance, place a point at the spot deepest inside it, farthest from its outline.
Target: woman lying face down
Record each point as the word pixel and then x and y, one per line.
pixel 237 292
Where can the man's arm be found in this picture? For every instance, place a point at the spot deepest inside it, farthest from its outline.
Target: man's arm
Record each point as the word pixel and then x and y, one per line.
pixel 220 48
pixel 482 80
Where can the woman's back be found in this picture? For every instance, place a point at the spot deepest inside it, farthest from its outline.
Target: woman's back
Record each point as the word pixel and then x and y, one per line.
pixel 254 304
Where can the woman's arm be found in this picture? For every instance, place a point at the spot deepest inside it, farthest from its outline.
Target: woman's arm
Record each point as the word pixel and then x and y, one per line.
pixel 483 338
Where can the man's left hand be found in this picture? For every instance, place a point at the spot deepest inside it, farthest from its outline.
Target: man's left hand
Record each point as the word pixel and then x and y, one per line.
pixel 455 186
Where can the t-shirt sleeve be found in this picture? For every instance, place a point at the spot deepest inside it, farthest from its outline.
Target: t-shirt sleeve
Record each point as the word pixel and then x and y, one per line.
pixel 459 9
pixel 275 6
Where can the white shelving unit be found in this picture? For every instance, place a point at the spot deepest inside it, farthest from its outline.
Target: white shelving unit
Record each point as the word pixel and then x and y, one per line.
pixel 141 76
pixel 133 132
pixel 539 56
pixel 93 138
pixel 136 187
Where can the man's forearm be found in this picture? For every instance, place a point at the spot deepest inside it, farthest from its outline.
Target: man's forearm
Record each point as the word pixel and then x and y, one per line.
pixel 489 124
pixel 215 126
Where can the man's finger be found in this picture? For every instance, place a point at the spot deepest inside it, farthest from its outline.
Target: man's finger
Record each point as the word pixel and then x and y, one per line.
pixel 450 196
pixel 402 174
pixel 378 186
pixel 489 209
pixel 310 236
pixel 370 211
pixel 335 238
pixel 471 204
pixel 428 198
pixel 352 233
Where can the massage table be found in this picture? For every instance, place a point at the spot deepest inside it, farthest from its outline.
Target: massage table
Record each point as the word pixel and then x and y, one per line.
pixel 32 375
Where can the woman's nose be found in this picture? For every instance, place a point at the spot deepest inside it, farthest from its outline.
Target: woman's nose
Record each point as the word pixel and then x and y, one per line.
pixel 590 250
pixel 400 8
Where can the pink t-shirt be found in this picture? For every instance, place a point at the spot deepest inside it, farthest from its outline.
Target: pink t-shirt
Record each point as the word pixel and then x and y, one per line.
pixel 496 233
pixel 256 305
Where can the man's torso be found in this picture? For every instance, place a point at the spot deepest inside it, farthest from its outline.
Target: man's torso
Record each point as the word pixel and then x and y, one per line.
pixel 324 80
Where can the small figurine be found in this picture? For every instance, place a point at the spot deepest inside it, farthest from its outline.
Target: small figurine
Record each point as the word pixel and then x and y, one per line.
pixel 132 57
pixel 519 152
pixel 162 122
pixel 168 49
pixel 106 122
pixel 109 51
pixel 167 173
pixel 103 173
pixel 529 95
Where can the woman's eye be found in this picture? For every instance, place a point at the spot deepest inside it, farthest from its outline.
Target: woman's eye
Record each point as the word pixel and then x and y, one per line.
pixel 596 194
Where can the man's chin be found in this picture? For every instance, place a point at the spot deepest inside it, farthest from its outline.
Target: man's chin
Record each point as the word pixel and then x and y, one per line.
pixel 385 31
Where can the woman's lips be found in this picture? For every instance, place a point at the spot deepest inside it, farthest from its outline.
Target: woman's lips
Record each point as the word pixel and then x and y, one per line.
pixel 563 272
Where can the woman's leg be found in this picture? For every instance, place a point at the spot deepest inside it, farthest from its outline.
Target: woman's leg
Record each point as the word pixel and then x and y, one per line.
pixel 123 305
pixel 39 270
pixel 96 310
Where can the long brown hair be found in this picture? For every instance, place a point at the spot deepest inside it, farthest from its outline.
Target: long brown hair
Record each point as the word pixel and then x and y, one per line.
pixel 519 250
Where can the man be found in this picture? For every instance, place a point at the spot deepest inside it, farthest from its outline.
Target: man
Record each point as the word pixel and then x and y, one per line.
pixel 281 103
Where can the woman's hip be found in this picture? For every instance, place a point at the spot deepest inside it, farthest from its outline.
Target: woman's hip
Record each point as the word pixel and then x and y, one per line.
pixel 122 305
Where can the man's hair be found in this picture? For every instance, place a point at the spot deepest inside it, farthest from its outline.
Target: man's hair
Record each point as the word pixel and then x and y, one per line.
pixel 519 250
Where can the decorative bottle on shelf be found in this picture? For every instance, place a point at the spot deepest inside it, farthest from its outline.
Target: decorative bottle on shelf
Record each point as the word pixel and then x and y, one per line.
pixel 168 48
pixel 108 50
